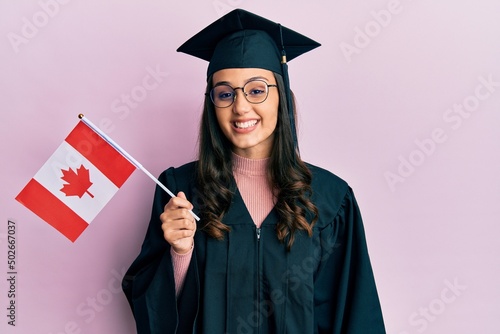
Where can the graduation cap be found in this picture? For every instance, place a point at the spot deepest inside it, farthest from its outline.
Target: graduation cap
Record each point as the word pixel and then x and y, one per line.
pixel 241 39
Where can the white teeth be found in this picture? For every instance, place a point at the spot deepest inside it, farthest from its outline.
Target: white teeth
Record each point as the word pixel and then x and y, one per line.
pixel 244 125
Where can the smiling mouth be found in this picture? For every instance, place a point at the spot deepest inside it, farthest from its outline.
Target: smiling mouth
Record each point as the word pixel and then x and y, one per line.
pixel 245 125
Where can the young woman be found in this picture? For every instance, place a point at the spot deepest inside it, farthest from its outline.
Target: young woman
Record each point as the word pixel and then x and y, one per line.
pixel 280 247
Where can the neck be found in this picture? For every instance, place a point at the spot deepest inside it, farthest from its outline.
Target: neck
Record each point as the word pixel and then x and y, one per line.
pixel 246 166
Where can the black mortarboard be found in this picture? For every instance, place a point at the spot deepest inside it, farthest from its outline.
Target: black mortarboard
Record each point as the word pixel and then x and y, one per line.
pixel 241 39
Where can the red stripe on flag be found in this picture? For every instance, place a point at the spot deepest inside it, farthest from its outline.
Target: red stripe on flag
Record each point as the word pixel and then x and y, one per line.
pixel 102 155
pixel 48 207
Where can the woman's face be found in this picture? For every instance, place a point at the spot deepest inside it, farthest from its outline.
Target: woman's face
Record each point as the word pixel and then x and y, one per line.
pixel 249 127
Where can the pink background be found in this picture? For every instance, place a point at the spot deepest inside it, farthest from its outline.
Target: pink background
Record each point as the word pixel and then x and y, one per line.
pixel 378 96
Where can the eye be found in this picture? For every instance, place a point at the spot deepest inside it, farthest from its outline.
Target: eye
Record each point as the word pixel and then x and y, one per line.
pixel 225 95
pixel 257 91
pixel 256 88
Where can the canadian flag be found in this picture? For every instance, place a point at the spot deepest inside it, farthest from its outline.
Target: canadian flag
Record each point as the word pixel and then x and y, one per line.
pixel 76 182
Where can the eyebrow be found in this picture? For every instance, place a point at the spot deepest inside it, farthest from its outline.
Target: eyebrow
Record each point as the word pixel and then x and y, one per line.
pixel 250 79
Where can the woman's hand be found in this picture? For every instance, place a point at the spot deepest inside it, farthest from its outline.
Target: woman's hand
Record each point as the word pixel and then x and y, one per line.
pixel 178 224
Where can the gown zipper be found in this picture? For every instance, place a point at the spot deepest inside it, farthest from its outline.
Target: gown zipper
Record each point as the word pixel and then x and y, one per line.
pixel 258 231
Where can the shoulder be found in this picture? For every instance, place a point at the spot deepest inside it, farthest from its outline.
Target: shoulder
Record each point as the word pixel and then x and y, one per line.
pixel 324 180
pixel 187 168
pixel 330 194
pixel 179 178
pixel 184 171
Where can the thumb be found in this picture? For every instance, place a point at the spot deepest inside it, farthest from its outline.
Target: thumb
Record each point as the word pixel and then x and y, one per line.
pixel 186 203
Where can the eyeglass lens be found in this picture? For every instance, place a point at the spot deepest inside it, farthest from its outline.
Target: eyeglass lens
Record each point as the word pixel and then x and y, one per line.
pixel 255 91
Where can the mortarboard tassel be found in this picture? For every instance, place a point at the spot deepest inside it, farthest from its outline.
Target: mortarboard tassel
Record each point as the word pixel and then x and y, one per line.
pixel 289 102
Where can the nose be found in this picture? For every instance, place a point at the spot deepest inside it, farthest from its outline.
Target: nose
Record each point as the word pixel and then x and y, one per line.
pixel 240 105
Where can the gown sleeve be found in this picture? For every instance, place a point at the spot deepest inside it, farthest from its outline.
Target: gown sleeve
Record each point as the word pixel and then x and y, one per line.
pixel 346 299
pixel 149 283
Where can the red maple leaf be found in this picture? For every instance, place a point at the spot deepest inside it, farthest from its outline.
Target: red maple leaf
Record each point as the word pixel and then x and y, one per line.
pixel 78 183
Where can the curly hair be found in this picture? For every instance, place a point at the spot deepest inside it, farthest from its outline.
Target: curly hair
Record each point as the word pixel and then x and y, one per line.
pixel 287 174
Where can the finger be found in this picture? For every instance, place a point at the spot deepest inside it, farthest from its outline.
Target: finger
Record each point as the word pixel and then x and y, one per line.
pixel 176 236
pixel 180 201
pixel 185 201
pixel 178 224
pixel 170 215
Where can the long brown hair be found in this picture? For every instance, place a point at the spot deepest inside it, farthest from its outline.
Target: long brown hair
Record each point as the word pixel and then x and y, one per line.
pixel 287 174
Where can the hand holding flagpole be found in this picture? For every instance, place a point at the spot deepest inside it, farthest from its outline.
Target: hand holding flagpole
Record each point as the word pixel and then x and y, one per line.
pixel 129 157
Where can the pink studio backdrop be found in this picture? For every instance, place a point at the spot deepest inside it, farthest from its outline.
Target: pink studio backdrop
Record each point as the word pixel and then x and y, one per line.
pixel 402 101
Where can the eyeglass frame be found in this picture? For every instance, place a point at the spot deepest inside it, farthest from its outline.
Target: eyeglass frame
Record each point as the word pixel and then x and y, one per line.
pixel 244 93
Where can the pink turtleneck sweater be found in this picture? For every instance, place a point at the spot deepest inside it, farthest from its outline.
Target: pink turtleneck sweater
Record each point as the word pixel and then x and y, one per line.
pixel 251 179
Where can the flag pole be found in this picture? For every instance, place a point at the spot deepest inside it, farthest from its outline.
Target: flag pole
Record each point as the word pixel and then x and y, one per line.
pixel 129 157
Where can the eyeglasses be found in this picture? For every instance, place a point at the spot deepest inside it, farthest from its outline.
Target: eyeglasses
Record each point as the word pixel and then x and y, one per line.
pixel 255 91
